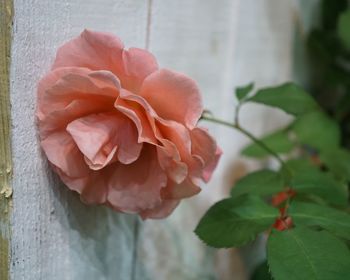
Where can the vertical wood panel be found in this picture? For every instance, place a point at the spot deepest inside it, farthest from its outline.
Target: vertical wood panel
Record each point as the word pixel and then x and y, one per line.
pixel 5 145
pixel 54 235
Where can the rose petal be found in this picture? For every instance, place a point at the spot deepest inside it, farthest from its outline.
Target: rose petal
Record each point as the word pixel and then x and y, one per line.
pixel 138 64
pixel 106 137
pixel 104 51
pixel 92 188
pixel 204 146
pixel 209 169
pixel 62 152
pixel 136 187
pixel 161 211
pixel 64 85
pixel 58 120
pixel 173 96
pixel 178 191
pixel 93 50
pixel 144 118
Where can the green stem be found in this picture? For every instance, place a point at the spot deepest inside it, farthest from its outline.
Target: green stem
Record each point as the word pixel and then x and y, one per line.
pixel 248 134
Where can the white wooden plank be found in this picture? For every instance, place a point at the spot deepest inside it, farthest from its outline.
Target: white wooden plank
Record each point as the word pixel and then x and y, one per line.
pixel 55 236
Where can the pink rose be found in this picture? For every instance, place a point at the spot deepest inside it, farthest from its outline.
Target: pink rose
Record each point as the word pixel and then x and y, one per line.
pixel 120 131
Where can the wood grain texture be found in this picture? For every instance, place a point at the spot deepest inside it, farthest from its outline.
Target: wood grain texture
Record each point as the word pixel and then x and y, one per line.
pixel 55 236
pixel 6 12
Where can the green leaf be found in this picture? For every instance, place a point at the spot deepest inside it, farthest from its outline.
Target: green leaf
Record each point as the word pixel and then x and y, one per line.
pixel 242 92
pixel 235 221
pixel 321 184
pixel 304 254
pixel 262 272
pixel 317 130
pixel 262 182
pixel 289 97
pixel 338 162
pixel 277 141
pixel 300 165
pixel 344 28
pixel 309 214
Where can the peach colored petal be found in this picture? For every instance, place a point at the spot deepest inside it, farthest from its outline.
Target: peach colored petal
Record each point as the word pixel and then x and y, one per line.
pixel 206 148
pixel 138 64
pixel 180 136
pixel 145 130
pixel 173 96
pixel 168 154
pixel 209 169
pixel 161 211
pixel 93 50
pixel 99 138
pixel 63 153
pixel 178 191
pixel 58 120
pixel 136 187
pixel 92 188
pixel 170 162
pixel 104 51
pixel 96 190
pixel 64 85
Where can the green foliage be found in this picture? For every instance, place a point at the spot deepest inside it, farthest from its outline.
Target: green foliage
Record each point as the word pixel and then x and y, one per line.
pixel 278 141
pixel 309 214
pixel 262 182
pixel 311 188
pixel 235 221
pixel 338 162
pixel 318 183
pixel 344 28
pixel 297 165
pixel 289 97
pixel 301 253
pixel 242 92
pixel 329 57
pixel 317 130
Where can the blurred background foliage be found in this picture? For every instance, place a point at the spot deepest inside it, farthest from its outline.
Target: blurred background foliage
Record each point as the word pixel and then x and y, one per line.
pixel 328 53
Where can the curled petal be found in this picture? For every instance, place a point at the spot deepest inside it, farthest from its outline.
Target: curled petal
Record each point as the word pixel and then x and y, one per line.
pixel 177 191
pixel 173 96
pixel 137 109
pixel 63 153
pixel 209 169
pixel 64 85
pixel 204 146
pixel 99 138
pixel 136 187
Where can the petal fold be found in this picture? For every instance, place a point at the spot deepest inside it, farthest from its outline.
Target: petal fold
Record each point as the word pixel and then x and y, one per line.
pixel 173 96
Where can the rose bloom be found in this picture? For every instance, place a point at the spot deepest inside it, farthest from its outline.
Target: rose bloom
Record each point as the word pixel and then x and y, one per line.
pixel 120 131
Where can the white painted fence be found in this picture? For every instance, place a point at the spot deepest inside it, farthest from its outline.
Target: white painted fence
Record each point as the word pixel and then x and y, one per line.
pixel 221 44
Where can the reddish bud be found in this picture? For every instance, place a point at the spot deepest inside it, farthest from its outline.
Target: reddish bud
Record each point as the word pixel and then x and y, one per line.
pixel 282 197
pixel 283 223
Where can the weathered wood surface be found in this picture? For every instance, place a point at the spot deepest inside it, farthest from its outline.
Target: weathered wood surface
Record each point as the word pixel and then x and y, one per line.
pixel 5 141
pixel 223 45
